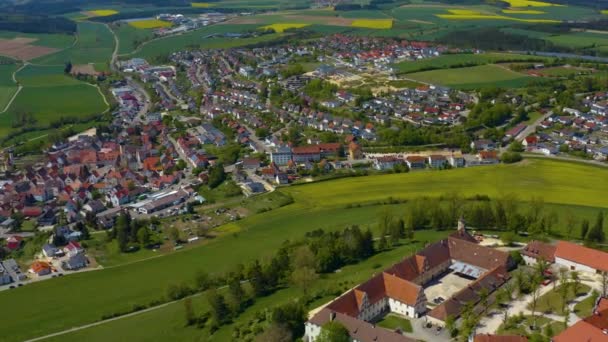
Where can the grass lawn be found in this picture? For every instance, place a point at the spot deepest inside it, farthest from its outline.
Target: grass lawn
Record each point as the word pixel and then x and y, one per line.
pixel 474 77
pixel 551 302
pixel 393 322
pixel 82 298
pixel 95 45
pixel 585 307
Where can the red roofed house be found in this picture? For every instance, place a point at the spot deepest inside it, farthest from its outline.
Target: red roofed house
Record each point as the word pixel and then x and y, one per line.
pixel 590 329
pixel 13 242
pixel 536 250
pixel 499 338
pixel 40 268
pixel 580 258
pixel 73 248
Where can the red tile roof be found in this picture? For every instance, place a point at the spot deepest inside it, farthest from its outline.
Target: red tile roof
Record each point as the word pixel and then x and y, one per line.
pixel 540 250
pixel 499 338
pixel 582 255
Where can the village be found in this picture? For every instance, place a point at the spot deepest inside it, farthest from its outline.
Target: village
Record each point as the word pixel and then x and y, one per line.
pixel 202 136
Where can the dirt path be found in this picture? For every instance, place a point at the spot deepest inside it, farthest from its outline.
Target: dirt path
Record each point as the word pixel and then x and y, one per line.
pixel 19 87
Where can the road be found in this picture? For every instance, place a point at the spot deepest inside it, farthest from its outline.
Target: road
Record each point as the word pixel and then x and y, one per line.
pixel 258 143
pixel 532 128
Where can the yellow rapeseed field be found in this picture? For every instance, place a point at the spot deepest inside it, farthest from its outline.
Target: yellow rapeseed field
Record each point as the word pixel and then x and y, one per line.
pixel 373 23
pixel 459 14
pixel 281 27
pixel 512 11
pixel 149 23
pixel 101 12
pixel 529 3
pixel 201 4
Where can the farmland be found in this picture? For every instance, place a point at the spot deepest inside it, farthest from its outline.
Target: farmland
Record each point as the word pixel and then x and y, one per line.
pixel 149 23
pixel 94 45
pixel 7 86
pixel 373 23
pixel 130 37
pixel 48 94
pixel 455 60
pixel 281 27
pixel 101 12
pixel 200 38
pixel 474 77
pixel 66 302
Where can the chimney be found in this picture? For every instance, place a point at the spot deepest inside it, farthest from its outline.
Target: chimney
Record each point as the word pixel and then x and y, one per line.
pixel 332 316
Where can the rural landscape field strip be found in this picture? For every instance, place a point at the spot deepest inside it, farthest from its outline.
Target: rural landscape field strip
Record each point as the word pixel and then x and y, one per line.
pixel 321 205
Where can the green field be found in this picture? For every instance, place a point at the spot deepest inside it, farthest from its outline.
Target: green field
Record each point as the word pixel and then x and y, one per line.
pixel 129 37
pixel 474 77
pixel 196 38
pixel 7 86
pixel 69 301
pixel 451 60
pixel 57 41
pixel 95 45
pixel 44 76
pixel 49 103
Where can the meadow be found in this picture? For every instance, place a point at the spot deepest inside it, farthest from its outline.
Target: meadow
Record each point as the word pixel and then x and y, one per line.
pixel 48 94
pixel 474 77
pixel 569 188
pixel 57 41
pixel 129 37
pixel 200 39
pixel 95 44
pixel 7 86
pixel 452 60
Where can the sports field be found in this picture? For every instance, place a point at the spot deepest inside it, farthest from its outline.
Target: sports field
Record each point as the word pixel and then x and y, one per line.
pixel 62 303
pixel 474 77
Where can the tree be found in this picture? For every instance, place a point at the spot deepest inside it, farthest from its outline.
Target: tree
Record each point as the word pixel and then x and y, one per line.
pixel 189 312
pixel 450 325
pixel 202 281
pixel 143 236
pixel 303 278
pixel 333 331
pixel 483 298
pixel 219 308
pixel 174 234
pixel 257 279
pixel 275 333
pixel 535 284
pixel 397 230
pixel 303 257
pixel 216 175
pixel 292 315
pixel 237 296
pixel 576 282
pixel 584 229
pixel 596 233
pixel 68 67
